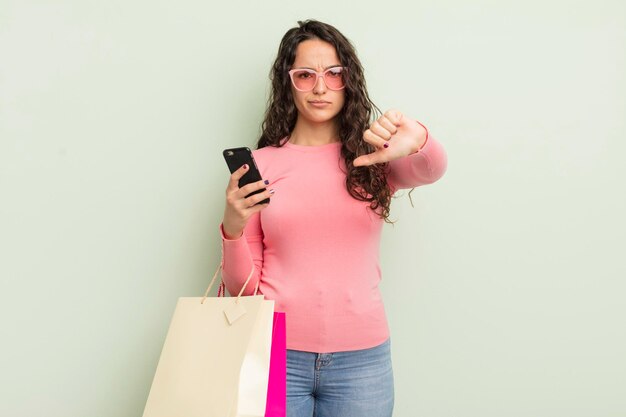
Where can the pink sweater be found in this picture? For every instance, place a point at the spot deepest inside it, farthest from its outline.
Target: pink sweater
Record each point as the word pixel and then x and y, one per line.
pixel 315 248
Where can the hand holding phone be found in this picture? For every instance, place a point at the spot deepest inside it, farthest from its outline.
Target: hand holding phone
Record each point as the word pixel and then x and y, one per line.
pixel 246 193
pixel 235 159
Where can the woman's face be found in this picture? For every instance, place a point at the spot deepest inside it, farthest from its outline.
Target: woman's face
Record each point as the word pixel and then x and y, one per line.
pixel 318 55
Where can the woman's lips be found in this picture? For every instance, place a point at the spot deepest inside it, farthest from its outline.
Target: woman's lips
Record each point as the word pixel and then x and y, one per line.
pixel 319 103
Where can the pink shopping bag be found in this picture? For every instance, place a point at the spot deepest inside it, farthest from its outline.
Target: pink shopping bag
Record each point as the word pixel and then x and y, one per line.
pixel 276 405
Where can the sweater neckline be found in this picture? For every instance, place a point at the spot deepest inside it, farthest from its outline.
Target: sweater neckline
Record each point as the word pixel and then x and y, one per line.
pixel 327 147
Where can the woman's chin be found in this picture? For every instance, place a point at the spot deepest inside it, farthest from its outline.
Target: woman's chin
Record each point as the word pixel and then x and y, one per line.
pixel 321 116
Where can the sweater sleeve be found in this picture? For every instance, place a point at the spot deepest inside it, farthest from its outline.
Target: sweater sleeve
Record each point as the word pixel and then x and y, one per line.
pixel 240 255
pixel 422 167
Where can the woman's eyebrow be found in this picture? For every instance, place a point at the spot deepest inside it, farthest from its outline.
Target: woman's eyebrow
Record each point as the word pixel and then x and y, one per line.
pixel 330 66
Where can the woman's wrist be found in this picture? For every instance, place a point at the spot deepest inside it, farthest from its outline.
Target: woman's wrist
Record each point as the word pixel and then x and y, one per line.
pixel 229 234
pixel 425 138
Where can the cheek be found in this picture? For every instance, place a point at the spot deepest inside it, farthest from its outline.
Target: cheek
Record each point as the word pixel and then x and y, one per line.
pixel 341 101
pixel 298 98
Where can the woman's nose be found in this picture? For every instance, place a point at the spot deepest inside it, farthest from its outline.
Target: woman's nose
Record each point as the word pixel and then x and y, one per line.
pixel 320 85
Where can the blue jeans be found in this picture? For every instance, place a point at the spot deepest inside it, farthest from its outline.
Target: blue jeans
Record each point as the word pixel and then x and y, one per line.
pixel 357 383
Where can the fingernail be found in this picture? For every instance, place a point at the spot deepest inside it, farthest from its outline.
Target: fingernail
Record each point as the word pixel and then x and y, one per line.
pixel 386 145
pixel 266 182
pixel 245 166
pixel 272 191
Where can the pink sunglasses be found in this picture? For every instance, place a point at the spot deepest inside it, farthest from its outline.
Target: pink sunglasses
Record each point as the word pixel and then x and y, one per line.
pixel 305 79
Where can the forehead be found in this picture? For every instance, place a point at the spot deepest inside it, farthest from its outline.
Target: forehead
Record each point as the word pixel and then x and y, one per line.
pixel 315 53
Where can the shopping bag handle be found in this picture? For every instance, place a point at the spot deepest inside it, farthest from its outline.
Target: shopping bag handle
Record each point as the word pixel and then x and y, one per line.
pixel 221 290
pixel 219 267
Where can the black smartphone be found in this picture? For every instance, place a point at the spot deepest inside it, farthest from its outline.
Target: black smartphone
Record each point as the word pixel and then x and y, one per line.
pixel 235 158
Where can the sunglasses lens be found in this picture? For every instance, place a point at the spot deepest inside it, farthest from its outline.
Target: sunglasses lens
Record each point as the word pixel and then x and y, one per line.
pixel 304 80
pixel 334 78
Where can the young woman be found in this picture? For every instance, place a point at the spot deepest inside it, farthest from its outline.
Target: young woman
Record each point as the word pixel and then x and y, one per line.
pixel 330 173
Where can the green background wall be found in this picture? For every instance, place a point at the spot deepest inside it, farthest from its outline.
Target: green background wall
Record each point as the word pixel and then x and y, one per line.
pixel 504 285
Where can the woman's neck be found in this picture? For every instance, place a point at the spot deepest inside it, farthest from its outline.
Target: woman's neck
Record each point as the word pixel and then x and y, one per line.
pixel 314 134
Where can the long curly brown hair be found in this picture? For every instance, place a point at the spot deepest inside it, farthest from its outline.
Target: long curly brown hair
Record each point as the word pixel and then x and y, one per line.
pixel 364 183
